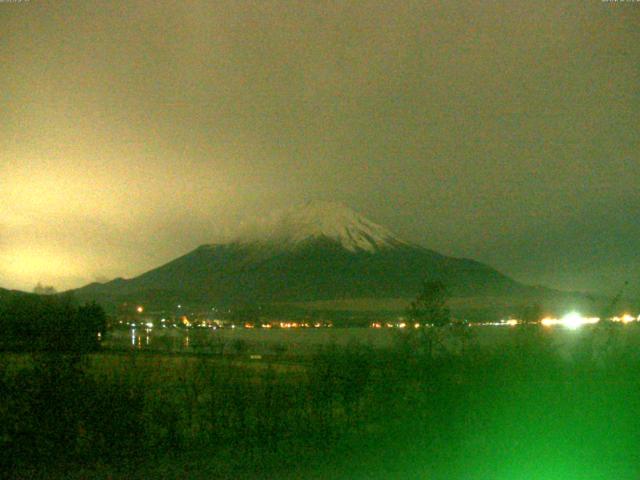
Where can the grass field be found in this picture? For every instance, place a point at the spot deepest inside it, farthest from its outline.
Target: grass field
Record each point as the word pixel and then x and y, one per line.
pixel 521 411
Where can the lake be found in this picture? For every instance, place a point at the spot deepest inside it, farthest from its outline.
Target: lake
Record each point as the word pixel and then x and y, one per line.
pixel 306 341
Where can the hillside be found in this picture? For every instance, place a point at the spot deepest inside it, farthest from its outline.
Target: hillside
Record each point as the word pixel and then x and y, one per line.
pixel 318 252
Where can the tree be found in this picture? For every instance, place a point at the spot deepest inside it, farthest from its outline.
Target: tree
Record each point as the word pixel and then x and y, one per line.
pixel 91 321
pixel 40 289
pixel 608 310
pixel 52 323
pixel 430 306
pixel 431 312
pixel 529 336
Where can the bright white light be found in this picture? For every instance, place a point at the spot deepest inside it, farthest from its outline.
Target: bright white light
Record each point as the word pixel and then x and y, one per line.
pixel 571 321
pixel 574 320
pixel 626 318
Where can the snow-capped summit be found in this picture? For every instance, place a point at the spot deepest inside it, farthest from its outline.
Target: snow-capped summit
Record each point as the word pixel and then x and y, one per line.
pixel 318 251
pixel 324 220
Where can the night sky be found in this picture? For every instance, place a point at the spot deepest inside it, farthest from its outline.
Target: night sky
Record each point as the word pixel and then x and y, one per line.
pixel 507 132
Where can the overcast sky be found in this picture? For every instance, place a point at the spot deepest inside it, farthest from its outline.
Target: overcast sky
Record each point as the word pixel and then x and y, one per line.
pixel 507 132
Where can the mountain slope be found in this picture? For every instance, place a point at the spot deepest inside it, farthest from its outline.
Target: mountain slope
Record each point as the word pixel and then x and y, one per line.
pixel 320 251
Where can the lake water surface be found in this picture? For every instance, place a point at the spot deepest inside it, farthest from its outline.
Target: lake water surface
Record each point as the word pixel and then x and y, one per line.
pixel 301 341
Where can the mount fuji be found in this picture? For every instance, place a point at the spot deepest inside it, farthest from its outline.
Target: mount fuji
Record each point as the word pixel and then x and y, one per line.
pixel 320 251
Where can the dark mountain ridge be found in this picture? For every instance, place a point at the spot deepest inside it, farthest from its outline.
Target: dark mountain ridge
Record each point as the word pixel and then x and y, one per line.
pixel 318 252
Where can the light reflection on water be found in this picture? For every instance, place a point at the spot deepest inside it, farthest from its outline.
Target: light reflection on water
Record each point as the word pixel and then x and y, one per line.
pixel 305 341
pixel 136 339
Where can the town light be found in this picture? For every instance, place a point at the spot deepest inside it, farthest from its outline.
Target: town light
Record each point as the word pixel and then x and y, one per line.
pixel 571 321
pixel 626 318
pixel 574 320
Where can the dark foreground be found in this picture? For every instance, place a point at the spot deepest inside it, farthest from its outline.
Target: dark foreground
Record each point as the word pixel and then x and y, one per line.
pixel 525 411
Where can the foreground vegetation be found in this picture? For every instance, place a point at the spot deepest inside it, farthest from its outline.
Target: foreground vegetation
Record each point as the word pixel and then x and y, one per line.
pixel 53 323
pixel 525 411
